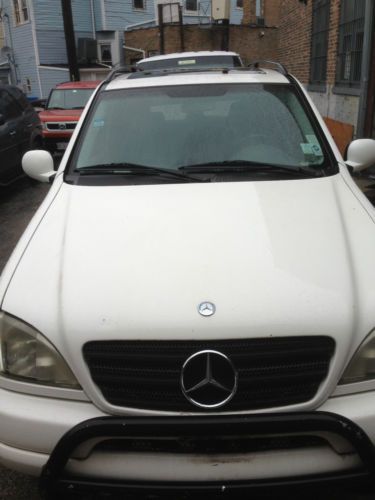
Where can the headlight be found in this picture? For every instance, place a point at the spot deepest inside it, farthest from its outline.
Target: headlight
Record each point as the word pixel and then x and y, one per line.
pixel 26 355
pixel 362 365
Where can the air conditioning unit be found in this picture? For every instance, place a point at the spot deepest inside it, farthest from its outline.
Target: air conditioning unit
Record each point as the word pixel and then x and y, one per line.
pixel 220 9
pixel 87 50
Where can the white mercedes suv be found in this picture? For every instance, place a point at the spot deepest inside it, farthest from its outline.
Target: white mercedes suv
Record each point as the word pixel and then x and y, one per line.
pixel 193 305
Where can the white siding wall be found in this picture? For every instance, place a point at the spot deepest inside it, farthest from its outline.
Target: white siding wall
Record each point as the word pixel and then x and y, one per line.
pixel 24 53
pixel 50 78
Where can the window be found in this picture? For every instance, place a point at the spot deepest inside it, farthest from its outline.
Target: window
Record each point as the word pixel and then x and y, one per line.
pixel 264 123
pixel 191 5
pixel 69 98
pixel 259 12
pixel 239 4
pixel 319 41
pixel 139 4
pixel 21 12
pixel 17 13
pixel 105 53
pixel 27 86
pixel 351 34
pixel 24 10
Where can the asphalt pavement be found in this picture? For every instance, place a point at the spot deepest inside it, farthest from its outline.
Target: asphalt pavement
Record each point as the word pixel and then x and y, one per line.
pixel 17 206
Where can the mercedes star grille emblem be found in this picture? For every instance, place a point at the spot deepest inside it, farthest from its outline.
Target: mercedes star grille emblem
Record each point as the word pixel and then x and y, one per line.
pixel 62 126
pixel 206 308
pixel 209 379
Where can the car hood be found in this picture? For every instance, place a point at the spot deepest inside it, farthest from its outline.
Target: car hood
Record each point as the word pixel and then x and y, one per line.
pixel 57 115
pixel 277 258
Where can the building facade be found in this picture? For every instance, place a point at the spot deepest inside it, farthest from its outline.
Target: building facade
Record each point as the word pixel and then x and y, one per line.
pixel 329 46
pixel 33 31
pixel 250 30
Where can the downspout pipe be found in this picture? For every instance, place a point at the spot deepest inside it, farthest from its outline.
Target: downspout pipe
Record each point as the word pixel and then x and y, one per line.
pixel 143 52
pixel 365 68
pixel 93 20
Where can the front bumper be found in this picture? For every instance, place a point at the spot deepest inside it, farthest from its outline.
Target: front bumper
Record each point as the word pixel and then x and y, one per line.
pixel 31 426
pixel 225 443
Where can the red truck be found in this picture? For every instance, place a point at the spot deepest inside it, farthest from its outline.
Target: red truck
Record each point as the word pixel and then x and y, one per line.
pixel 62 112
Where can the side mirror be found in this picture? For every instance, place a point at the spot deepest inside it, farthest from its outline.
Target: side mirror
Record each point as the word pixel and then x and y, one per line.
pixel 2 119
pixel 361 154
pixel 38 165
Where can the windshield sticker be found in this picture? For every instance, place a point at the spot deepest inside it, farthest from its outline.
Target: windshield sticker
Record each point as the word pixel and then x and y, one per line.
pixel 99 122
pixel 186 62
pixel 311 149
pixel 317 150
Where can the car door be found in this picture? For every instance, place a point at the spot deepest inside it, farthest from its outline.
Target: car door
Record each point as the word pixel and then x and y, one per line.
pixel 30 127
pixel 10 138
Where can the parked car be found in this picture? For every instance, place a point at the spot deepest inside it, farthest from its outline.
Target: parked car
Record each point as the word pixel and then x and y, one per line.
pixel 201 59
pixel 20 131
pixel 62 112
pixel 192 306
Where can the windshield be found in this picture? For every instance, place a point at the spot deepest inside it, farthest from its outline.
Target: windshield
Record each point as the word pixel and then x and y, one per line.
pixel 69 98
pixel 193 61
pixel 186 125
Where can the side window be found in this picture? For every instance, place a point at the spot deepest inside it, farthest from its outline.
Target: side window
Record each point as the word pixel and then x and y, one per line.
pixel 319 41
pixel 9 105
pixel 351 36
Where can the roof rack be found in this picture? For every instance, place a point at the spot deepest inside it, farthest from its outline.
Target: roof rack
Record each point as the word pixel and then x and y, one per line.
pixel 121 70
pixel 136 72
pixel 176 71
pixel 277 66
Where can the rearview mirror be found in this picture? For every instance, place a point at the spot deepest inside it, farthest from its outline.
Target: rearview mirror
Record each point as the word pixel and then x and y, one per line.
pixel 38 165
pixel 361 154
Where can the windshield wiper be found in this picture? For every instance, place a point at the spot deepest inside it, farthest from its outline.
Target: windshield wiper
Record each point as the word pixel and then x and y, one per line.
pixel 135 169
pixel 250 166
pixel 56 107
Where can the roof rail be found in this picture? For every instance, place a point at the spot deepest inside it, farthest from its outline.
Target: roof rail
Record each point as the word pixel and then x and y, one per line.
pixel 144 73
pixel 121 70
pixel 136 72
pixel 277 66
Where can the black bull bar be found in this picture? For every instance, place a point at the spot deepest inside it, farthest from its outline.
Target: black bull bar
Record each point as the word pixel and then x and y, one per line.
pixel 55 482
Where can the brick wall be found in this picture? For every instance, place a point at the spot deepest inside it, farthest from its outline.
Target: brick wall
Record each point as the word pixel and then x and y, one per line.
pixel 249 12
pixel 333 40
pixel 271 12
pixel 295 37
pixel 294 51
pixel 250 42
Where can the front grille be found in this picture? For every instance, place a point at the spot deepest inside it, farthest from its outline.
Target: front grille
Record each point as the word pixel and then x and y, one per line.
pixel 61 126
pixel 272 372
pixel 210 445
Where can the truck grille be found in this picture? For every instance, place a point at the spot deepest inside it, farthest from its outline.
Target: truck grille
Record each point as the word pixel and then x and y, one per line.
pixel 272 372
pixel 61 126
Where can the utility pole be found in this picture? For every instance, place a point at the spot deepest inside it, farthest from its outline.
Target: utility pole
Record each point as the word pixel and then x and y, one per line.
pixel 70 40
pixel 181 23
pixel 225 35
pixel 161 27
